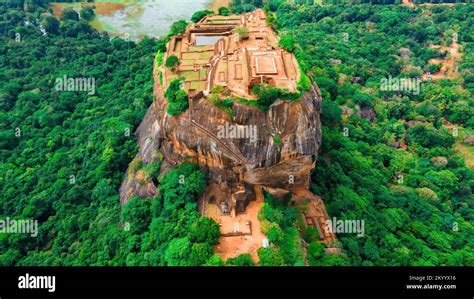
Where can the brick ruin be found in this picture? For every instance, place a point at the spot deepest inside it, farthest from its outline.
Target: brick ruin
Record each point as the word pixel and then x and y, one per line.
pixel 212 53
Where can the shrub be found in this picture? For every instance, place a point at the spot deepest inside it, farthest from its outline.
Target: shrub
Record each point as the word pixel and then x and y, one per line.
pixel 69 14
pixel 215 260
pixel 200 253
pixel 178 252
pixel 311 234
pixel 87 13
pixel 172 61
pixel 179 103
pixel 275 234
pixel 329 85
pixel 290 246
pixel 152 169
pixel 136 214
pixel 242 32
pixel 177 28
pixel 434 68
pixel 287 42
pixel 205 230
pixel 159 57
pixel 181 186
pixel 199 15
pixel 271 214
pixel 243 260
pixel 217 89
pixel 135 166
pixel 224 11
pixel 226 105
pixel 51 24
pixel 363 100
pixel 304 84
pixel 315 253
pixel 268 95
pixel 270 257
pixel 332 113
pixel 177 98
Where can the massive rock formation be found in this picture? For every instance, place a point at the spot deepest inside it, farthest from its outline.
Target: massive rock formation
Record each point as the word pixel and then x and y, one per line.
pixel 278 152
pixel 282 165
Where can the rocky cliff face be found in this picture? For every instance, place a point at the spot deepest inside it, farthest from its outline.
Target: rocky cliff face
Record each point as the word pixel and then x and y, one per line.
pixel 278 152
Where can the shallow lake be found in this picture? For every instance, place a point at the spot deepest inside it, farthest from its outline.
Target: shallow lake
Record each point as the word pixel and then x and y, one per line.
pixel 149 17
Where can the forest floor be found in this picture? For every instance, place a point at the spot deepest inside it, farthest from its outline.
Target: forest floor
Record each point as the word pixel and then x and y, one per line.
pixel 246 223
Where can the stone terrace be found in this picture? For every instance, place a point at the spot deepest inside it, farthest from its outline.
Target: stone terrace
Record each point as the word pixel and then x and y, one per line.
pixel 211 54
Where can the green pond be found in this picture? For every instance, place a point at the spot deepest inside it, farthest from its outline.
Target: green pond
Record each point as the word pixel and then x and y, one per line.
pixel 148 17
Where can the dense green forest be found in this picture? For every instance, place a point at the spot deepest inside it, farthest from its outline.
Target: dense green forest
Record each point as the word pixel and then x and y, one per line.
pixel 63 154
pixel 417 200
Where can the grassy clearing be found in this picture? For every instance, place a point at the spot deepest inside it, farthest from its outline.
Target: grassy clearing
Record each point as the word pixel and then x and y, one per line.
pixel 190 75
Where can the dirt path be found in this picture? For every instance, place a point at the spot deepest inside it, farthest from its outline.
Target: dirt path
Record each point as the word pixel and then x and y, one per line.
pixel 468 153
pixel 448 69
pixel 247 223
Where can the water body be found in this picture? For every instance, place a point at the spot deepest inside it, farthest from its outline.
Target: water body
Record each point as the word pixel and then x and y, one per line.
pixel 149 17
pixel 206 40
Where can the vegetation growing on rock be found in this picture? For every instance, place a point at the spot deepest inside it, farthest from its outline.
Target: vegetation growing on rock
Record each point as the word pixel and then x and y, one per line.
pixel 177 98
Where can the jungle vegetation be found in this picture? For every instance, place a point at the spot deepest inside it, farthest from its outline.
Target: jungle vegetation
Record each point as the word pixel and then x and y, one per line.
pixel 390 158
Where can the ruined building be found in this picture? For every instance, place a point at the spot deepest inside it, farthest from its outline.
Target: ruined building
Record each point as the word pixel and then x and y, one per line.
pixel 213 53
